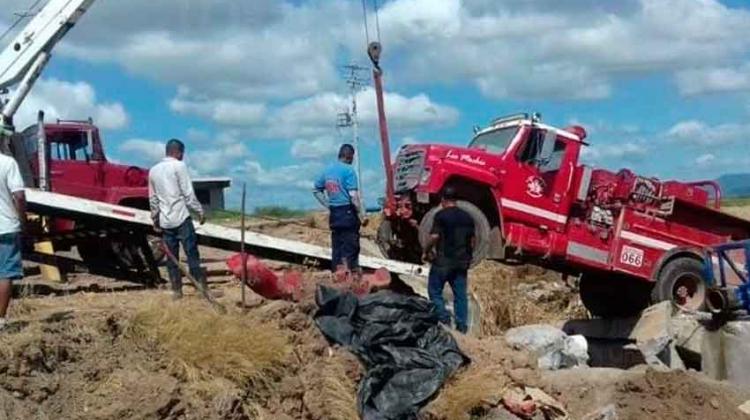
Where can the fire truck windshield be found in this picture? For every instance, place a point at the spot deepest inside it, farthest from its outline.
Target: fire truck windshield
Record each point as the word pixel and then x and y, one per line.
pixel 495 141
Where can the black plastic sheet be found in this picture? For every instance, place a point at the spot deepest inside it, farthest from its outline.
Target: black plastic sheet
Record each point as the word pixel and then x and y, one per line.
pixel 406 353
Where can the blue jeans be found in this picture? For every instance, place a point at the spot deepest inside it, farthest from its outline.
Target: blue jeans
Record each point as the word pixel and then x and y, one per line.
pixel 344 224
pixel 185 234
pixel 456 278
pixel 11 266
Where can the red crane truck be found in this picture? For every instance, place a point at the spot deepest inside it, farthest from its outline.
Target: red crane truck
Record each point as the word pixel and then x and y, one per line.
pixel 75 164
pixel 632 239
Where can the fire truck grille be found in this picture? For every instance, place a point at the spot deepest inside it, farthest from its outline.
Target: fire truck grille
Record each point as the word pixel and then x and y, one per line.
pixel 408 169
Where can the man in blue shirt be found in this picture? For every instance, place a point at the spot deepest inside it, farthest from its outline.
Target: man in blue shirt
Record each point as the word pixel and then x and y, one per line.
pixel 336 189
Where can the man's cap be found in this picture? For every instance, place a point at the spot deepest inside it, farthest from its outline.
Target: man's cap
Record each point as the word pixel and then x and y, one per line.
pixel 449 193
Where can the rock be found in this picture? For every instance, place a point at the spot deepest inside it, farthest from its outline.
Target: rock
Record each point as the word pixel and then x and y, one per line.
pixel 607 413
pixel 554 349
pixel 500 413
pixel 745 407
pixel 714 403
pixel 529 402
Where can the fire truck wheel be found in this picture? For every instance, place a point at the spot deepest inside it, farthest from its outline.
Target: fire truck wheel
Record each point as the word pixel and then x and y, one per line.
pixel 681 281
pixel 402 247
pixel 481 229
pixel 609 296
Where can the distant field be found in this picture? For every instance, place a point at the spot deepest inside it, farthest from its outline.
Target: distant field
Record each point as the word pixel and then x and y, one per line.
pixel 737 206
pixel 736 202
pixel 273 212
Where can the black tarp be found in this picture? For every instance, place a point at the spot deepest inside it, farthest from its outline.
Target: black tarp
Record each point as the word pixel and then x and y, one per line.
pixel 406 353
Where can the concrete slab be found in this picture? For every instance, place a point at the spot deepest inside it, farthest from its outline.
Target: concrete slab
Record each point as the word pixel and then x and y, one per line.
pixel 726 353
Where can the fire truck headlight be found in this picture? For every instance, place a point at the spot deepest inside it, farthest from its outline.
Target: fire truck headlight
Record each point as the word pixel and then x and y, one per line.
pixel 425 177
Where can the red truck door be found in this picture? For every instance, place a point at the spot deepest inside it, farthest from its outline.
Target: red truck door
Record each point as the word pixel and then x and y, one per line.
pixel 72 171
pixel 538 177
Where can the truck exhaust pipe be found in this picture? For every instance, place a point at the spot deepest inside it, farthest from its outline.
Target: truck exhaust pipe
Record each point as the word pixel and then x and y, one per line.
pixel 726 299
pixel 720 300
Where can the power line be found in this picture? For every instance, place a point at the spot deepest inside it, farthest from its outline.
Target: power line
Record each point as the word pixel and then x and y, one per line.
pixel 349 118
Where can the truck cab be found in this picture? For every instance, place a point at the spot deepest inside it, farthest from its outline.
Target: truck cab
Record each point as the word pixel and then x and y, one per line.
pixel 79 167
pixel 515 169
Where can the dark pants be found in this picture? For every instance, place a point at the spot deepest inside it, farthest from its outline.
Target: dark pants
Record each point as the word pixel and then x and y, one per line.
pixel 456 278
pixel 185 234
pixel 344 223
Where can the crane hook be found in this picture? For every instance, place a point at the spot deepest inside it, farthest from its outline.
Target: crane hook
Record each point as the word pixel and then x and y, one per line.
pixel 374 50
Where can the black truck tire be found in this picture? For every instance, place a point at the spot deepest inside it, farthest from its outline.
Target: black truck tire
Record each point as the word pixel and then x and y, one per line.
pixel 613 296
pixel 681 281
pixel 481 229
pixel 405 249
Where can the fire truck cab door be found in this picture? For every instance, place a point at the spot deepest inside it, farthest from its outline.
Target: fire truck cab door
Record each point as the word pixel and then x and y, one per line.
pixel 537 179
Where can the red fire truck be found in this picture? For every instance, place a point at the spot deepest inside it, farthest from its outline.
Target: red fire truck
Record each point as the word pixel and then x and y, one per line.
pixel 632 239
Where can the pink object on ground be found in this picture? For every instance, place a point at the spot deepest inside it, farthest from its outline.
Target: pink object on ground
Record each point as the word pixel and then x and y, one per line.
pixel 263 281
pixel 371 282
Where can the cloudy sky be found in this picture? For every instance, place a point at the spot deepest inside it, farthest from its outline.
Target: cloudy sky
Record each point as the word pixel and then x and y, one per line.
pixel 254 87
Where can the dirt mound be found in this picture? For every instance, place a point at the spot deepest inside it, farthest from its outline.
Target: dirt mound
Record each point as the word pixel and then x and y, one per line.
pixel 514 296
pixel 645 393
pixel 140 355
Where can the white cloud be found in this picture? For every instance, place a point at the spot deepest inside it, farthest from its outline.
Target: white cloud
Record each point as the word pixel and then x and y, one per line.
pixel 289 177
pixel 315 115
pixel 705 160
pixel 699 133
pixel 714 79
pixel 221 111
pixel 222 48
pixel 566 50
pixel 145 152
pixel 70 100
pixel 216 161
pixel 628 151
pixel 319 148
pixel 266 49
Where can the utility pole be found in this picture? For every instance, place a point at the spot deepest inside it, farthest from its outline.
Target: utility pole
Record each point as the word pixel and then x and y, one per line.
pixel 349 118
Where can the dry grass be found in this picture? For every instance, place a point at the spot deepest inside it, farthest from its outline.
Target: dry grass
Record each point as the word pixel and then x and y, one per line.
pixel 332 393
pixel 506 303
pixel 739 211
pixel 202 345
pixel 478 386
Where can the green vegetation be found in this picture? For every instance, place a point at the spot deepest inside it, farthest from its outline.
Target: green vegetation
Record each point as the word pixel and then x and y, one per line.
pixel 278 212
pixel 274 212
pixel 736 202
pixel 223 215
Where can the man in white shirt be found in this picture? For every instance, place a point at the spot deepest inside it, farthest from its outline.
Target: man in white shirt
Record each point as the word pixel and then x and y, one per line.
pixel 171 199
pixel 12 220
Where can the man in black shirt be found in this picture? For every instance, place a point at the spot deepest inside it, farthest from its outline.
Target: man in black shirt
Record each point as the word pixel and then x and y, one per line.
pixel 452 237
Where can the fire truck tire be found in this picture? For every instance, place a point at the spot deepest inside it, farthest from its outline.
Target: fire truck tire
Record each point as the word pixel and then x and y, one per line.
pixel 481 229
pixel 681 281
pixel 609 296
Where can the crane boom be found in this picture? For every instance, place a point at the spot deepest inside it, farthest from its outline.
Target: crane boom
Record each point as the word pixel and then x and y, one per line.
pixel 22 61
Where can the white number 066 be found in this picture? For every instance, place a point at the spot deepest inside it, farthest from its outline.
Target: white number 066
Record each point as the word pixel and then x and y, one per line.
pixel 631 256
